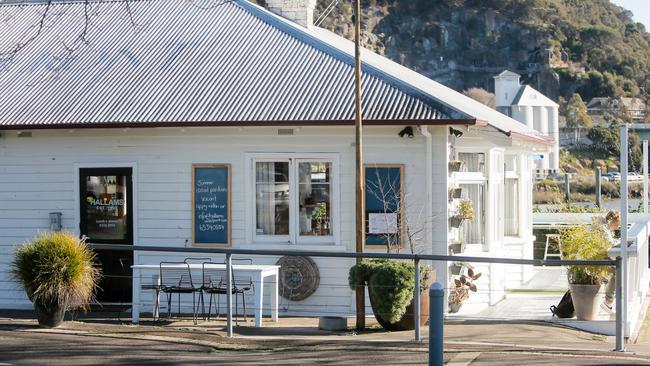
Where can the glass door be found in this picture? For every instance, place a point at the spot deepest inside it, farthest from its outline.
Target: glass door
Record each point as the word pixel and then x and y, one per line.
pixel 107 218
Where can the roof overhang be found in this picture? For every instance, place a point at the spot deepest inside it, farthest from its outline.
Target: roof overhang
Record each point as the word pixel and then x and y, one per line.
pixel 319 123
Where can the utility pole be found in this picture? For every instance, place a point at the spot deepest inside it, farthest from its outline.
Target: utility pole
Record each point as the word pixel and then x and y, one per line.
pixel 360 181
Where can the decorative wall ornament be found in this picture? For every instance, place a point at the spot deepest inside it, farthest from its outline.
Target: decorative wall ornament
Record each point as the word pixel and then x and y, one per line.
pixel 299 277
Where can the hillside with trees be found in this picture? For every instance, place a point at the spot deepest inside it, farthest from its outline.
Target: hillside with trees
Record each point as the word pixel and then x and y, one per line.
pixel 561 47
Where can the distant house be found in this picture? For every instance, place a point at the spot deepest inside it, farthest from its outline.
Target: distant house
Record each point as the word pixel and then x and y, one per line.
pixel 604 107
pixel 532 108
pixel 262 101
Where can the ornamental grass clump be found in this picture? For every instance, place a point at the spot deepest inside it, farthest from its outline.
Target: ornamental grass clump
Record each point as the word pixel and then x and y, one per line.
pixel 57 271
pixel 586 243
pixel 390 284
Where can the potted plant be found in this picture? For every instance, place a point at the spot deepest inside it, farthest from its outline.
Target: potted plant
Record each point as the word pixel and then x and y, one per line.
pixel 456 165
pixel 390 288
pixel 465 212
pixel 460 292
pixel 585 243
pixel 455 193
pixel 319 215
pixel 57 272
pixel 456 247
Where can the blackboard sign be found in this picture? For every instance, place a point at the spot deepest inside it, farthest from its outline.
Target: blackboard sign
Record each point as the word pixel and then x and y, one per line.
pixel 211 204
pixel 384 204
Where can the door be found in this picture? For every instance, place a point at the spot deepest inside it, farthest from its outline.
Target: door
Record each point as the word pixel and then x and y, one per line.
pixel 107 218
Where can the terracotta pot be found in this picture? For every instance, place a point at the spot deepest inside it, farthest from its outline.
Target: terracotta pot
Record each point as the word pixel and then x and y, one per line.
pixel 586 300
pixel 49 315
pixel 407 321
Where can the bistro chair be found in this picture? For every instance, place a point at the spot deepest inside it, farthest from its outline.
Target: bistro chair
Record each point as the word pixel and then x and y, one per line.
pixel 213 283
pixel 197 260
pixel 242 284
pixel 176 278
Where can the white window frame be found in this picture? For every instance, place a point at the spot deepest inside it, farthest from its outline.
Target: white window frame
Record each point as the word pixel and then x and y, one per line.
pixel 478 178
pixel 294 159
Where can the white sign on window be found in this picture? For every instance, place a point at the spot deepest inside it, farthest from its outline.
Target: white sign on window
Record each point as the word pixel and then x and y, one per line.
pixel 382 223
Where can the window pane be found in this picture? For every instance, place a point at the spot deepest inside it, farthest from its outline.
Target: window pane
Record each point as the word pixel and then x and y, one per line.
pixel 512 207
pixel 106 207
pixel 272 198
pixel 314 199
pixel 472 231
pixel 474 162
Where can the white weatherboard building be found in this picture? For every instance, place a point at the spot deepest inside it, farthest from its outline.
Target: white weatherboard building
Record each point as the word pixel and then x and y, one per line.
pixel 533 109
pixel 112 131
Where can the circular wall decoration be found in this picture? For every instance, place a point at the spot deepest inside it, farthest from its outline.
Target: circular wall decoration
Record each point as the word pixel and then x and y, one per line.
pixel 299 277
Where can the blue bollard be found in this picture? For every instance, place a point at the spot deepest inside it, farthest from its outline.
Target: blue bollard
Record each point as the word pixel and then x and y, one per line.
pixel 436 324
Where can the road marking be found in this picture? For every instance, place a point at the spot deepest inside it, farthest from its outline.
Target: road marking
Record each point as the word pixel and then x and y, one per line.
pixel 463 359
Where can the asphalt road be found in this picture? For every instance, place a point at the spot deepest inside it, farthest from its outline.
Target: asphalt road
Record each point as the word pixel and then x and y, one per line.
pixel 30 346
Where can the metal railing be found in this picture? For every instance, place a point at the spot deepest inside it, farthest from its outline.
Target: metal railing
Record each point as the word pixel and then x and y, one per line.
pixel 416 258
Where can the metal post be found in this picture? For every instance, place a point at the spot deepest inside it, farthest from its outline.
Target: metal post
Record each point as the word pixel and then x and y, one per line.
pixel 624 216
pixel 436 325
pixel 598 187
pixel 229 294
pixel 620 331
pixel 360 180
pixel 645 176
pixel 567 189
pixel 416 301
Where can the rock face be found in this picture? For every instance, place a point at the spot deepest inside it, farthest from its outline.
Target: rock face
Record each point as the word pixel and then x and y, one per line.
pixel 464 43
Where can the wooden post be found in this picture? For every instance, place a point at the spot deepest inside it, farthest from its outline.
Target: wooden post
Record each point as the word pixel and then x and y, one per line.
pixel 567 189
pixel 598 187
pixel 360 181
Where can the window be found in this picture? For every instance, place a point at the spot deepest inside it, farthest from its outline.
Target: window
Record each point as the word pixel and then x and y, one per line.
pixel 511 206
pixel 472 231
pixel 474 162
pixel 293 200
pixel 106 213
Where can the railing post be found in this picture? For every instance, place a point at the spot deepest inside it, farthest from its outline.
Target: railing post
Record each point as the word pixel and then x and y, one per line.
pixel 229 294
pixel 436 325
pixel 598 187
pixel 416 300
pixel 620 331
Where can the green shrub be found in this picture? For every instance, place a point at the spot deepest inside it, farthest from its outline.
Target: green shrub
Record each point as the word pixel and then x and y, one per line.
pixel 391 283
pixel 56 268
pixel 586 243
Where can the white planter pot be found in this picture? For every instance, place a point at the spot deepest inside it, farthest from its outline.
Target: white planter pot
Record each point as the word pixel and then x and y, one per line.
pixel 586 300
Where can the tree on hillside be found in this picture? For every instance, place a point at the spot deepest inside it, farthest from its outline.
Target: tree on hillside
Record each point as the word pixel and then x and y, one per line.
pixel 481 95
pixel 575 112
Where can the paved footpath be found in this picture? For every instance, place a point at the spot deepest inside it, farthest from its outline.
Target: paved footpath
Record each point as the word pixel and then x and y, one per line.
pixel 480 343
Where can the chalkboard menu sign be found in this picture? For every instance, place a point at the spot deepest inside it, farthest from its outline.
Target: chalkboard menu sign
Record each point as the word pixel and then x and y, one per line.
pixel 211 204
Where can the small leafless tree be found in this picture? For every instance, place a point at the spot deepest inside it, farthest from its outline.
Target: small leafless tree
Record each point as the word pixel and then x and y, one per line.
pixel 411 224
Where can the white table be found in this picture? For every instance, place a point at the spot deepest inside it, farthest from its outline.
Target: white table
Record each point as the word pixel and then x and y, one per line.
pixel 258 272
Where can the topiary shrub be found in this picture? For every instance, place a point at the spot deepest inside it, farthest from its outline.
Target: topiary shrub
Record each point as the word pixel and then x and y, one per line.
pixel 57 272
pixel 390 285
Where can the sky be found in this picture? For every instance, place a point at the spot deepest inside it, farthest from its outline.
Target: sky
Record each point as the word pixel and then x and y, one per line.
pixel 640 8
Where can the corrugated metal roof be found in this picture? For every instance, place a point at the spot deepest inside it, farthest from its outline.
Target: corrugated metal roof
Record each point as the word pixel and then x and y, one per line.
pixel 170 62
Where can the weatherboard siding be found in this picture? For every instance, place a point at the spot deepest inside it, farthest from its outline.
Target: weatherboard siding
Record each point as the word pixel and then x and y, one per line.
pixel 38 175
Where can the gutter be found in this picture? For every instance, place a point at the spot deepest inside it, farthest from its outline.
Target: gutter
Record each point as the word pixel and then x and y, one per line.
pixel 371 122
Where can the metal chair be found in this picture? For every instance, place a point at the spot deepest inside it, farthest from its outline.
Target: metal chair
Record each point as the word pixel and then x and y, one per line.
pixel 176 278
pixel 242 284
pixel 558 240
pixel 197 260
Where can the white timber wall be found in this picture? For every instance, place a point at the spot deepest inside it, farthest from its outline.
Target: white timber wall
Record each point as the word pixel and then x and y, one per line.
pixel 38 175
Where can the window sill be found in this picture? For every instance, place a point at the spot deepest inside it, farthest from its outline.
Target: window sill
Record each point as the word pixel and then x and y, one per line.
pixel 319 247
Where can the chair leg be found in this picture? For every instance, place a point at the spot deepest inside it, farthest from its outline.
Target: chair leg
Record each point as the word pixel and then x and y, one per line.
pixel 218 305
pixel 194 307
pixel 169 305
pixel 236 310
pixel 202 305
pixel 243 300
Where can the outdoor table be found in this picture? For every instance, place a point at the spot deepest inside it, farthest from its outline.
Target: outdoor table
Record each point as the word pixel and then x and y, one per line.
pixel 258 272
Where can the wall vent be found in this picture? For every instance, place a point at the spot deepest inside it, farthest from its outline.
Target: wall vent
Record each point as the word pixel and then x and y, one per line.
pixel 285 131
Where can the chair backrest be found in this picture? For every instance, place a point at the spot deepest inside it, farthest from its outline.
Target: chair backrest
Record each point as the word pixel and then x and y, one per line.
pixel 213 277
pixel 175 274
pixel 197 260
pixel 241 280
